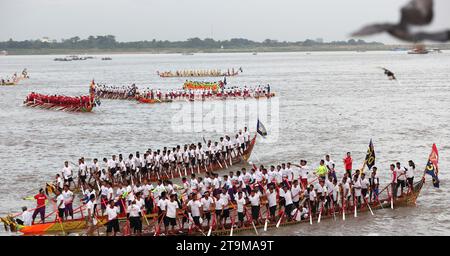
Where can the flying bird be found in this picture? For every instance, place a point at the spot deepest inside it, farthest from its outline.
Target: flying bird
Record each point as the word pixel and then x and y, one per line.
pixel 389 73
pixel 415 13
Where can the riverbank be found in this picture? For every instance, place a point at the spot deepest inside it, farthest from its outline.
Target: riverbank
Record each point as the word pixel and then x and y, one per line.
pixel 46 51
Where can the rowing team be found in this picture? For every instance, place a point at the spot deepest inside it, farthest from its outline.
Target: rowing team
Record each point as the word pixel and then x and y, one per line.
pixel 157 164
pixel 59 100
pixel 14 79
pixel 122 92
pixel 288 191
pixel 212 72
pixel 219 201
pixel 127 92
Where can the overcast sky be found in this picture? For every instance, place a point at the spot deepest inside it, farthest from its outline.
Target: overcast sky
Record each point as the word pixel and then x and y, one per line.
pixel 133 20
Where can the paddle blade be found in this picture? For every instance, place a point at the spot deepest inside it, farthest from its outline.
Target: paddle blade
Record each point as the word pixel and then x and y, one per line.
pixel 209 231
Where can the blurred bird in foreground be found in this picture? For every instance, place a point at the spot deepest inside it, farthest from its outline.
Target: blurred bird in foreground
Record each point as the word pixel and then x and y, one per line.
pixel 415 13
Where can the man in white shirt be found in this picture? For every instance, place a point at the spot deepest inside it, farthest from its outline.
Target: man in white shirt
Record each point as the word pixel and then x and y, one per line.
pixel 67 174
pixel 246 137
pixel 255 199
pixel 195 208
pixel 26 217
pixel 329 163
pixel 364 185
pixel 60 205
pixel 206 202
pixel 134 215
pixel 410 174
pixel 357 191
pixel 68 200
pixel 401 177
pixel 303 173
pixel 296 191
pixel 271 195
pixel 288 203
pixel 240 203
pixel 82 172
pixel 286 173
pixel 113 223
pixel 91 206
pixel 171 213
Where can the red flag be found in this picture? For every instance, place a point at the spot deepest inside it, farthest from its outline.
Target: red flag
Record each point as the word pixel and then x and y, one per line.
pixel 432 166
pixel 434 155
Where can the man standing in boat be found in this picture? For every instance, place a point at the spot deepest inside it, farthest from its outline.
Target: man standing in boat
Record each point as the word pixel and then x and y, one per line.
pixel 40 207
pixel 348 161
pixel 113 223
pixel 67 174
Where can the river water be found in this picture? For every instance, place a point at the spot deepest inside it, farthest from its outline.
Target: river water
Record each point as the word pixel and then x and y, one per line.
pixel 327 102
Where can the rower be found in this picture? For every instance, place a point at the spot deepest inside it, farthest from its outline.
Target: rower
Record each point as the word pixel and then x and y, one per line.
pixel 171 213
pixel 272 201
pixel 60 204
pixel 410 174
pixel 240 202
pixel 206 203
pixel 134 215
pixel 304 172
pixel 365 184
pixel 113 223
pixel 162 202
pixel 288 203
pixel 296 190
pixel 312 197
pixel 357 190
pixel 401 178
pixel 90 210
pixel 195 209
pixel 67 174
pixel 329 164
pixel 94 169
pixel 26 218
pixel 374 183
pixel 255 199
pixel 82 172
pixel 68 200
pixel 40 205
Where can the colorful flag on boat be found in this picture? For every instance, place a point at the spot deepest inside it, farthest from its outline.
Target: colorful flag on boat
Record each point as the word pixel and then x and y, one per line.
pixel 261 129
pixel 432 168
pixel 370 156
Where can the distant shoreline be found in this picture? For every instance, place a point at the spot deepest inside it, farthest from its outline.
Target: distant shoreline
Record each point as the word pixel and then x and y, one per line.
pixel 200 50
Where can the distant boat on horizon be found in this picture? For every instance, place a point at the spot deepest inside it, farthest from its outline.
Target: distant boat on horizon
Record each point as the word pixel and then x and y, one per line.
pixel 419 49
pixel 3 53
pixel 187 53
pixel 255 53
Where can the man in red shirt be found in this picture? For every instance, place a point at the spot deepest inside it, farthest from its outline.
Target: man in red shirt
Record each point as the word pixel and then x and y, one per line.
pixel 348 161
pixel 40 208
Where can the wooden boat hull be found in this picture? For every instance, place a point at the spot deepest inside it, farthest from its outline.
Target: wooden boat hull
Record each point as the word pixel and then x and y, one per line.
pixel 59 107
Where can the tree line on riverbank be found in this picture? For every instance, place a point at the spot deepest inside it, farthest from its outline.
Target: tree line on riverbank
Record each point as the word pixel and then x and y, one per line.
pixel 110 42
